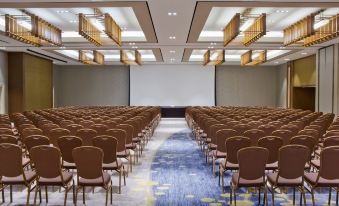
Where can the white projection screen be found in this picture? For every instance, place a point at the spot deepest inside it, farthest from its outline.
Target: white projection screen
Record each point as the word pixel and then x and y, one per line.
pixel 172 85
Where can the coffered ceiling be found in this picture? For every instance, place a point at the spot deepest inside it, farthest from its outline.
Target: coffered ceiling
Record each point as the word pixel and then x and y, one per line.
pixel 169 31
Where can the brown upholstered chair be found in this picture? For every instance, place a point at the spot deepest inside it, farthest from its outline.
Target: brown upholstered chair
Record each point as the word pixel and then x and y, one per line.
pixel 292 161
pixel 285 135
pixel 308 142
pixel 89 161
pixel 5 138
pixel 254 135
pixel 31 131
pixel 66 146
pixel 122 151
pixel 86 123
pixel 328 175
pixel 47 162
pixel 35 140
pixel 267 128
pixel 65 123
pixel 6 131
pixel 73 128
pixel 220 152
pixel 55 133
pixel 13 173
pixel 109 144
pixel 129 139
pixel 86 135
pixel 233 145
pixel 100 128
pixel 252 161
pixel 272 144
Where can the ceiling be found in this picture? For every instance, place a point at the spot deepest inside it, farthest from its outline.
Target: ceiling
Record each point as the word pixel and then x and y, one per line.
pixel 168 31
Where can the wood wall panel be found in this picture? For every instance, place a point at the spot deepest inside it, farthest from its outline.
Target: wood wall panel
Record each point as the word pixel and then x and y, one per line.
pixel 30 82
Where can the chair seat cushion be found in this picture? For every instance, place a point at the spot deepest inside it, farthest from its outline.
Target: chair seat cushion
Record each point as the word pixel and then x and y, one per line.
pixel 125 153
pixel 217 154
pixel 229 165
pixel 248 183
pixel 95 182
pixel 312 178
pixel 30 176
pixel 68 165
pixel 67 177
pixel 316 163
pixel 113 165
pixel 272 178
pixel 272 166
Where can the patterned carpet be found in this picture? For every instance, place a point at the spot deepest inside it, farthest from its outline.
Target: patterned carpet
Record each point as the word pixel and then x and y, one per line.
pixel 184 178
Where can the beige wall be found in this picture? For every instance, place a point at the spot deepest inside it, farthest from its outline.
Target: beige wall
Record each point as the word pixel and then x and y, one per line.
pixel 247 86
pixel 91 85
pixel 3 83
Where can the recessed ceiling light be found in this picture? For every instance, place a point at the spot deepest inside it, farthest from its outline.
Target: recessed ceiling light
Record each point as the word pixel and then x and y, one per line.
pixel 3 48
pixel 73 21
pixel 62 11
pixel 134 47
pixel 282 47
pixel 171 37
pixel 131 43
pixel 281 11
pixel 303 53
pixel 276 62
pixel 287 59
pixel 62 47
pixel 172 51
pixel 210 47
pixel 172 13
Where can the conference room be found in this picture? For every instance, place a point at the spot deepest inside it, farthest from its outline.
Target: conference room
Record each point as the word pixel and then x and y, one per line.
pixel 169 102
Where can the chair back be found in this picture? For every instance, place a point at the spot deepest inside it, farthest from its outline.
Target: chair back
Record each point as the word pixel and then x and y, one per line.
pixel 252 162
pixel 6 131
pixel 66 145
pixel 11 160
pixel 31 131
pixel 65 123
pixel 285 135
pixel 272 144
pixel 46 161
pixel 254 135
pixel 100 128
pixel 35 140
pixel 305 140
pixel 241 128
pixel 329 159
pixel 120 135
pixel 55 133
pixel 88 160
pixel 128 130
pixel 86 123
pixel 233 145
pixel 267 128
pixel 108 144
pixel 221 136
pixel 86 135
pixel 73 128
pixel 5 138
pixel 292 161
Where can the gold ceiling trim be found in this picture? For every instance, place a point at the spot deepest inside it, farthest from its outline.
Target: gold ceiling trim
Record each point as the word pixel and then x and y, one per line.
pixel 89 31
pixel 248 60
pixel 231 31
pixel 219 57
pixel 256 30
pixel 124 58
pixel 299 30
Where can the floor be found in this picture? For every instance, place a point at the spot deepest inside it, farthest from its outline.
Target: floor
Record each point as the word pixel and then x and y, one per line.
pixel 172 171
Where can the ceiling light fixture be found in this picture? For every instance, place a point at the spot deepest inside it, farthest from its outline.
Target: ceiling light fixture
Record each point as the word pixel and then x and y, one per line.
pixel 73 21
pixel 287 59
pixel 62 11
pixel 172 13
pixel 276 62
pixel 303 53
pixel 172 51
pixel 172 37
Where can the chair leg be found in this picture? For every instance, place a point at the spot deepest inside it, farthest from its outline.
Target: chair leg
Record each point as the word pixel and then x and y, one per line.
pixel 35 194
pixel 312 194
pixel 73 188
pixel 222 181
pixel 272 192
pixel 213 166
pixel 28 193
pixel 120 181
pixel 111 188
pixel 3 193
pixel 83 195
pixel 46 192
pixel 329 195
pixel 265 195
pixel 293 195
pixel 303 194
pixel 66 191
pixel 11 193
pixel 259 192
pixel 40 195
pixel 106 195
pixel 231 193
pixel 235 197
pixel 124 174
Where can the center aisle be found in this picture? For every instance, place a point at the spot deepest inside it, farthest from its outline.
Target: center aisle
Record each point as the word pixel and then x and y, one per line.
pixel 181 173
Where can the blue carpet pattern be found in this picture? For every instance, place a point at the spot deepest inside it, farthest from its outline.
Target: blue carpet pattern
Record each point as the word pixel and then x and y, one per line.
pixel 184 178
